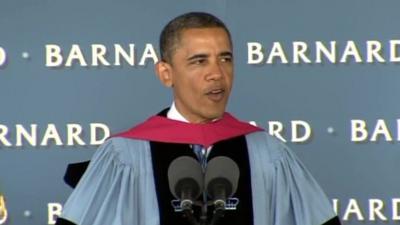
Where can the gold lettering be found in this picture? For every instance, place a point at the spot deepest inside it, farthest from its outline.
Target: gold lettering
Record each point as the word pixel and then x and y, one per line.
pixel 3 210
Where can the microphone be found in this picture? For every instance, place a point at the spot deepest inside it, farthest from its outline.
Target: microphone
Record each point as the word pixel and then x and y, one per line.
pixel 186 181
pixel 221 179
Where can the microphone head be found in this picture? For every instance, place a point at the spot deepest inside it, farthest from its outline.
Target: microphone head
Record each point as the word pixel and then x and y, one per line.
pixel 222 173
pixel 185 178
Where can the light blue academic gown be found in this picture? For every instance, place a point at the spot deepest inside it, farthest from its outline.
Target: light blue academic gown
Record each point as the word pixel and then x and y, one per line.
pixel 118 187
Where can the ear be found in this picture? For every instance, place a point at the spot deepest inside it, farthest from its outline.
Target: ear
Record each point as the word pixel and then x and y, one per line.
pixel 164 72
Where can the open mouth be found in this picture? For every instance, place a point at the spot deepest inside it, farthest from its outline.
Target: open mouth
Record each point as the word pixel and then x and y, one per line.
pixel 216 94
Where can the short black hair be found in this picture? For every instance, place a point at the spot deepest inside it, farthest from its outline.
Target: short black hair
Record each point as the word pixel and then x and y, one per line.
pixel 170 35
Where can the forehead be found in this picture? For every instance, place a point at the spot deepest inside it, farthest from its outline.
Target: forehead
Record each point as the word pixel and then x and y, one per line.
pixel 197 37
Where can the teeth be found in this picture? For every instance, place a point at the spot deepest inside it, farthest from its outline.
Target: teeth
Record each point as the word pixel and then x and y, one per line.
pixel 216 91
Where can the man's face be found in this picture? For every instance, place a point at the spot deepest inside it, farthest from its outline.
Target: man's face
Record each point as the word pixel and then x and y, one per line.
pixel 201 73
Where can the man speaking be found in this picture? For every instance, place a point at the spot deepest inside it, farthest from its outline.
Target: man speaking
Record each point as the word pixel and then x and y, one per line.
pixel 126 182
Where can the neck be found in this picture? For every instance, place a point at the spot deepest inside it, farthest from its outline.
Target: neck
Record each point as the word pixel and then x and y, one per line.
pixel 175 114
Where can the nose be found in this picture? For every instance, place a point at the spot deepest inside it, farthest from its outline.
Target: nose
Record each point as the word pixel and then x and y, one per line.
pixel 215 71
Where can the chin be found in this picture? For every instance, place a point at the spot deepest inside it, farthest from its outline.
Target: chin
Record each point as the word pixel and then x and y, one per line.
pixel 212 112
pixel 216 115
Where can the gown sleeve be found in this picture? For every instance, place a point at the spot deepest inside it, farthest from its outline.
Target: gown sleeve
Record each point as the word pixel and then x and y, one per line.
pixel 117 187
pixel 284 191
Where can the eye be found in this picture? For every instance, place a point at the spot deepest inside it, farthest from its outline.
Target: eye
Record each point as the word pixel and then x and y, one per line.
pixel 199 61
pixel 226 58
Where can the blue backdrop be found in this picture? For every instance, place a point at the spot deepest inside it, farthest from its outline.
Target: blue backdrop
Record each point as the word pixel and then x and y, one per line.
pixel 333 66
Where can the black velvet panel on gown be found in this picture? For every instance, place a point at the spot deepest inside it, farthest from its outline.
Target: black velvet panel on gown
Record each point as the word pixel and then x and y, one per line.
pixel 334 221
pixel 236 149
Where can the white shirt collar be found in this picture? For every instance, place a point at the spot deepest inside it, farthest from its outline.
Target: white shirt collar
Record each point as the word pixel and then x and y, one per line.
pixel 175 115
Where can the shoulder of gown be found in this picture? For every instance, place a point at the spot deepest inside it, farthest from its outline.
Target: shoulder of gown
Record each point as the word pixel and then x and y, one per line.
pixel 117 187
pixel 284 191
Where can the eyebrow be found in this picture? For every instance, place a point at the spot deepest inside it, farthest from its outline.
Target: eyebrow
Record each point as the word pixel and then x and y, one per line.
pixel 227 53
pixel 197 56
pixel 202 56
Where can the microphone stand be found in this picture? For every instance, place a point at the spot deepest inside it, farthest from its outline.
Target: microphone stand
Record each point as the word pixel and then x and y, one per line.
pixel 203 216
pixel 203 220
pixel 189 215
pixel 219 210
pixel 218 214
